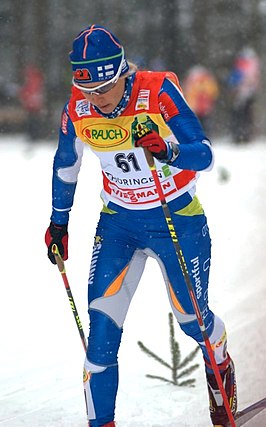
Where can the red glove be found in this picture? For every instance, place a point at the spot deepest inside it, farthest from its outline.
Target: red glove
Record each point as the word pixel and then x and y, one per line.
pixel 154 143
pixel 57 234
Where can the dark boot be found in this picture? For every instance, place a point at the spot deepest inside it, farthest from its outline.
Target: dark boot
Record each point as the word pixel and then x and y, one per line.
pixel 218 412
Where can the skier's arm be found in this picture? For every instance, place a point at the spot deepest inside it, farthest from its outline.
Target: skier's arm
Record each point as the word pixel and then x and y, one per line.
pixel 195 152
pixel 67 162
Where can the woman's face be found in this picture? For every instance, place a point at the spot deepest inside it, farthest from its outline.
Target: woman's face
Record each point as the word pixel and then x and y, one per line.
pixel 108 101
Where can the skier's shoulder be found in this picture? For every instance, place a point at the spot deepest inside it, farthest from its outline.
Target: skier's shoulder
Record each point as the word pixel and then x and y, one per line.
pixel 67 131
pixel 76 99
pixel 156 77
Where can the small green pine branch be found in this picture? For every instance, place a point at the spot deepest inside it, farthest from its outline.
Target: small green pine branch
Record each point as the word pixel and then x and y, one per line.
pixel 188 371
pixel 177 366
pixel 150 353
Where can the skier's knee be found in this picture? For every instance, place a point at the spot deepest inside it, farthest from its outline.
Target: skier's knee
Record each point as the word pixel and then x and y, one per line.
pixel 92 368
pixel 218 341
pixel 216 332
pixel 104 340
pixel 192 329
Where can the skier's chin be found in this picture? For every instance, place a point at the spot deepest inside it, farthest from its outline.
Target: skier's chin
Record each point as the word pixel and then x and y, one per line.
pixel 107 108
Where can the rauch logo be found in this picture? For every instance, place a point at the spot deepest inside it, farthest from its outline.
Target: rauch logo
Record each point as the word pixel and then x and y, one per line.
pixel 102 136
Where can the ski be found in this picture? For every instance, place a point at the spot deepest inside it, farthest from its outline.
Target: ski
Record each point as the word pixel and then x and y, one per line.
pixel 248 413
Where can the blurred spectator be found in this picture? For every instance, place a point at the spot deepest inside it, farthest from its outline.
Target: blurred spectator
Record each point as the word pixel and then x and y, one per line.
pixel 12 115
pixel 31 96
pixel 201 91
pixel 8 90
pixel 243 83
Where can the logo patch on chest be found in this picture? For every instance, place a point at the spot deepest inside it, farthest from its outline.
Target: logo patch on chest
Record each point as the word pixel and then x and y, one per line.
pixel 83 108
pixel 143 100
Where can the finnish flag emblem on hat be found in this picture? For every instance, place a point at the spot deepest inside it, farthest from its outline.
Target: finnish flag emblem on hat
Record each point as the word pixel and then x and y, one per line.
pixel 106 72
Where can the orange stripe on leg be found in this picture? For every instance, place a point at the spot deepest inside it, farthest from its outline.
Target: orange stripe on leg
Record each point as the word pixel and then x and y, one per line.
pixel 176 303
pixel 116 284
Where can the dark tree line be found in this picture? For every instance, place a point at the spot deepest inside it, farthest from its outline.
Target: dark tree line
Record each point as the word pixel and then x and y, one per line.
pixel 178 33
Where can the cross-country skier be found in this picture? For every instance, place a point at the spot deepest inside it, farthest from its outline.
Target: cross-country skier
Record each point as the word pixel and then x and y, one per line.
pixel 110 101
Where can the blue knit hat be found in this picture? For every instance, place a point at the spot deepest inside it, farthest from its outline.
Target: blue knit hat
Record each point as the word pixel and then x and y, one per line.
pixel 96 56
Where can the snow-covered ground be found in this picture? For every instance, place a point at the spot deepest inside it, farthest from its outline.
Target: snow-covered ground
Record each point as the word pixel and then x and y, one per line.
pixel 41 355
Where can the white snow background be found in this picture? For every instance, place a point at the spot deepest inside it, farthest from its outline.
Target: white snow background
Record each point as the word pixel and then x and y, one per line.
pixel 41 356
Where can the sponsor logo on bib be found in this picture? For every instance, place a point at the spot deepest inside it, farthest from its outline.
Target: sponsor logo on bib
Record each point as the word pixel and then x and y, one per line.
pixel 104 136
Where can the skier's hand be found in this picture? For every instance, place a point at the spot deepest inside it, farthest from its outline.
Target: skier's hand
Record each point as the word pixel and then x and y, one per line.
pixel 57 234
pixel 154 143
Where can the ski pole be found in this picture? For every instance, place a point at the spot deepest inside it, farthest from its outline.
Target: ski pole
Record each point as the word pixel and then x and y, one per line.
pixel 61 268
pixel 184 269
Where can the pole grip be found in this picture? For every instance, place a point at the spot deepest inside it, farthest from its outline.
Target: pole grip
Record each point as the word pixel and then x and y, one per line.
pixel 58 258
pixel 149 157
